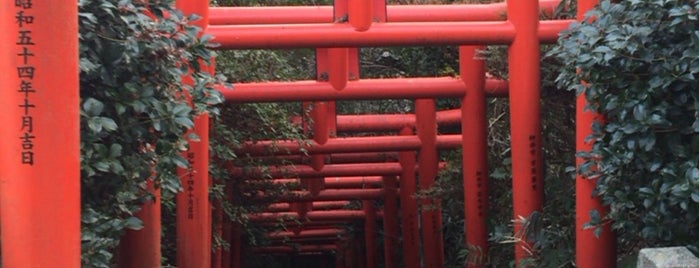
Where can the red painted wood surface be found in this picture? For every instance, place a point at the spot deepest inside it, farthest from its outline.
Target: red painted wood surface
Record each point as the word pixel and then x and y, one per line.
pixel 193 209
pixel 475 162
pixel 142 248
pixel 40 136
pixel 394 13
pixel 525 126
pixel 431 214
pixel 317 205
pixel 410 229
pixel 391 224
pixel 394 88
pixel 370 233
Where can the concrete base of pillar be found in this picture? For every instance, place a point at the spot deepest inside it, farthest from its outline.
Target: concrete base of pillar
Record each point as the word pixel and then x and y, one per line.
pixel 671 257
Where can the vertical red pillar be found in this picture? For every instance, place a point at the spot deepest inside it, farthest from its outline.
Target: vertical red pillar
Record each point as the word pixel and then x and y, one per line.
pixel 590 251
pixel 338 59
pixel 321 133
pixel 339 262
pixel 320 115
pixel 236 246
pixel 141 248
pixel 217 256
pixel 527 182
pixel 303 207
pixel 390 222
pixel 324 261
pixel 349 253
pixel 360 14
pixel 408 206
pixel 359 255
pixel 431 216
pixel 339 256
pixel 193 211
pixel 338 66
pixel 227 232
pixel 40 137
pixel 390 183
pixel 370 232
pixel 332 119
pixel 474 155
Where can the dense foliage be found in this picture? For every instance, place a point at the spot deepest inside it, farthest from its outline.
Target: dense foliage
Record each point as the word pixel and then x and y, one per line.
pixel 640 60
pixel 134 111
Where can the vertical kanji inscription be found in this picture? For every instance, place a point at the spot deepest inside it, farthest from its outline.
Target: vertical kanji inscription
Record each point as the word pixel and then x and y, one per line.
pixel 26 72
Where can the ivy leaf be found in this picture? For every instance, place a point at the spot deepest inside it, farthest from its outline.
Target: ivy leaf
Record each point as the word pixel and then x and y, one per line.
pixel 93 107
pixel 695 197
pixel 184 122
pixel 180 161
pixel 693 175
pixel 115 150
pixel 101 166
pixel 597 232
pixel 133 223
pixel 499 173
pixel 95 124
pixel 108 123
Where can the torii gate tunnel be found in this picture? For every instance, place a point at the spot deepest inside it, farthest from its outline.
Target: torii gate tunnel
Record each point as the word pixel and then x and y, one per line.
pixel 42 121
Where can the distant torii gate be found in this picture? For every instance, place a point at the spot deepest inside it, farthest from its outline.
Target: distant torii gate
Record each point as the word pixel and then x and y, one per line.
pixel 42 119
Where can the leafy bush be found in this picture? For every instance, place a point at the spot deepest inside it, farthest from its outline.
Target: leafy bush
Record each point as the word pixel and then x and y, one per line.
pixel 640 60
pixel 134 112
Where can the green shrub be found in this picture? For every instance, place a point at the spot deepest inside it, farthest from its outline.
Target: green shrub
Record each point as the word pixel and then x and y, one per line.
pixel 133 112
pixel 641 60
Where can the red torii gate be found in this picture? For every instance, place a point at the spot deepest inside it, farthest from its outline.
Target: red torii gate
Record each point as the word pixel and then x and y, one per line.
pixel 28 199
